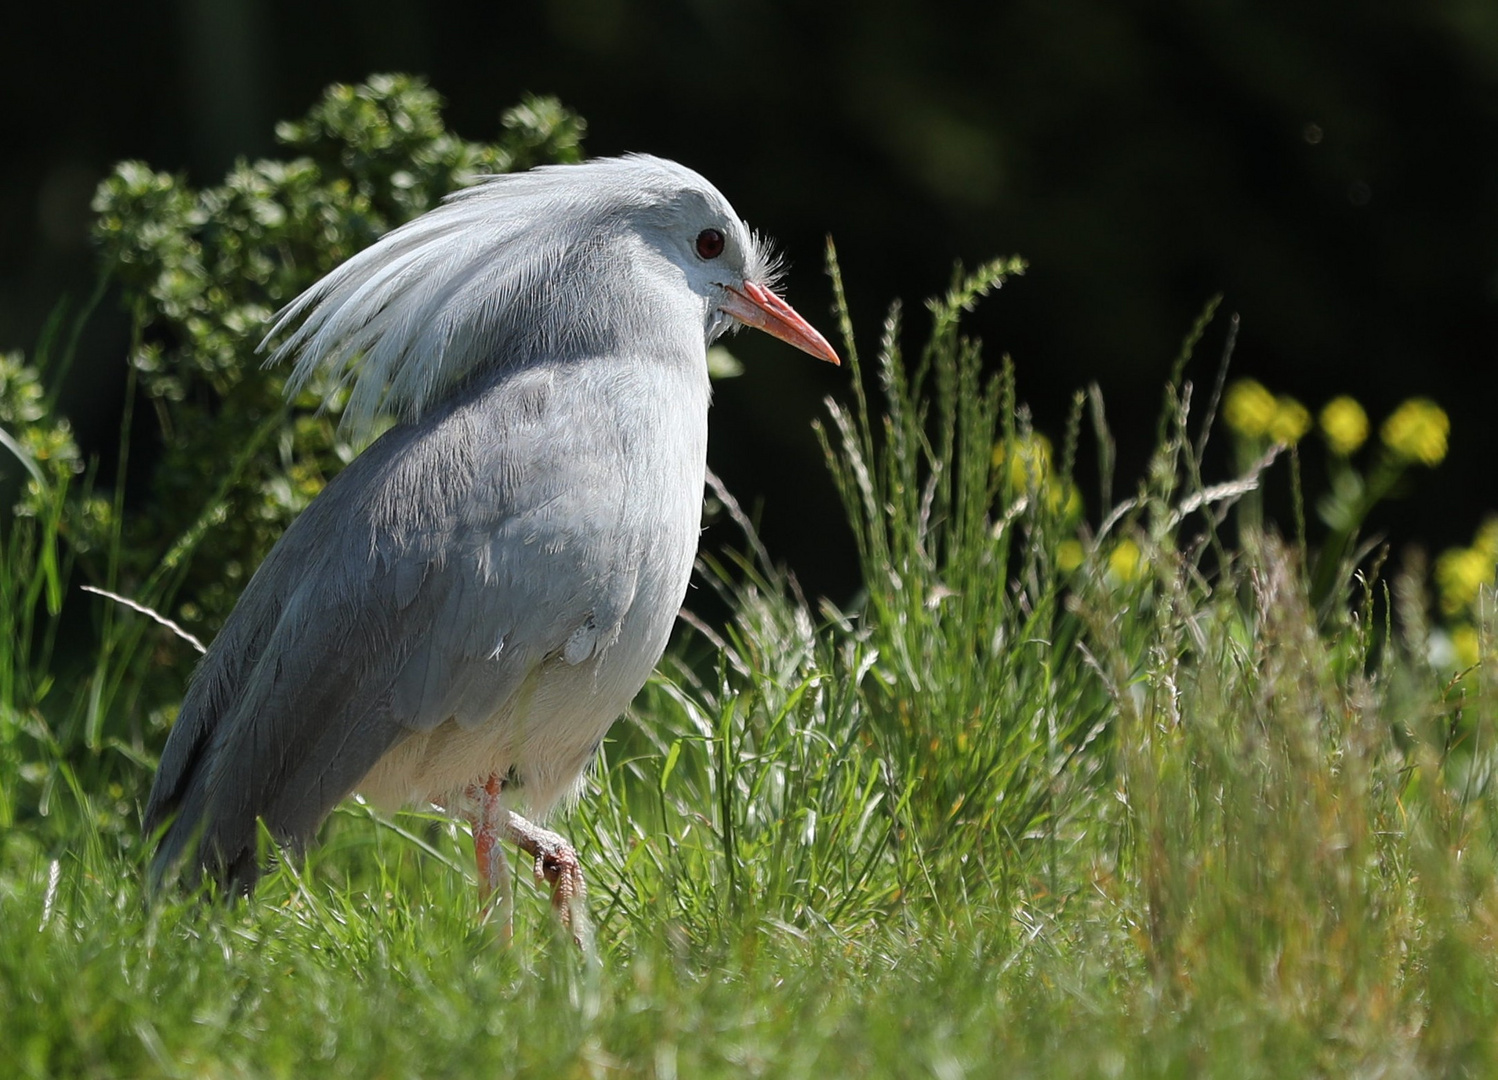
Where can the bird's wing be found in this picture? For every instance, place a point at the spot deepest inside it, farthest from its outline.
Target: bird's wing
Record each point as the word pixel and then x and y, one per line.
pixel 536 564
pixel 503 606
pixel 424 584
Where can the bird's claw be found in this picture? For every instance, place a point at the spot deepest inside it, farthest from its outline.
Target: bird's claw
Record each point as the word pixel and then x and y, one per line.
pixel 557 865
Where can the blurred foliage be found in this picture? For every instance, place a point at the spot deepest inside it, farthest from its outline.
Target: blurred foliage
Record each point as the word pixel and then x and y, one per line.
pixel 42 442
pixel 203 271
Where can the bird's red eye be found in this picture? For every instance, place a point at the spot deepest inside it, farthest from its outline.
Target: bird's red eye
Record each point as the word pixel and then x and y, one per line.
pixel 709 243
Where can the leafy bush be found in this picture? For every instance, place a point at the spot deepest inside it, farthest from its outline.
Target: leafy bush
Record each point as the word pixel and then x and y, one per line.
pixel 201 272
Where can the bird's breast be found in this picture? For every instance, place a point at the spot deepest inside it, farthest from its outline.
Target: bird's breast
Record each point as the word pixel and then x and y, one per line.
pixel 575 558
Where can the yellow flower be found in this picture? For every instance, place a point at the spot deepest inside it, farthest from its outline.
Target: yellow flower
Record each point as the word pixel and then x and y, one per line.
pixel 1417 431
pixel 1290 421
pixel 1344 424
pixel 1069 555
pixel 1464 644
pixel 1063 499
pixel 1029 463
pixel 1460 575
pixel 1124 561
pixel 1486 540
pixel 1249 408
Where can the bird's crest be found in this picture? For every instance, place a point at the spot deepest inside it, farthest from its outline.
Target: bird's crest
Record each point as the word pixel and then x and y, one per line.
pixel 483 279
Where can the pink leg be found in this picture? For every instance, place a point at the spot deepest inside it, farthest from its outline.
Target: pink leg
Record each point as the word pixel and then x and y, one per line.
pixel 487 819
pixel 556 861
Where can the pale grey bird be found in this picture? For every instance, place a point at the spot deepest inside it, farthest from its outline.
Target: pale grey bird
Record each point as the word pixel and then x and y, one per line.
pixel 465 609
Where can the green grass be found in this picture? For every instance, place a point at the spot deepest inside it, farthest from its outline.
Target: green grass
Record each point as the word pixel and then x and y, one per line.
pixel 1155 813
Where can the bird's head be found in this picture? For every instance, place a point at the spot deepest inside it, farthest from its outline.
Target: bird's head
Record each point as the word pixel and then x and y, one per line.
pixel 730 268
pixel 631 254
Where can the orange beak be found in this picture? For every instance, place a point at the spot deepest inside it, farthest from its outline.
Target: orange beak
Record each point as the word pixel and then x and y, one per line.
pixel 758 307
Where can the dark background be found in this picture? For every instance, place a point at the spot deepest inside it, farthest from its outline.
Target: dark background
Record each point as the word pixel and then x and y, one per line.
pixel 1331 168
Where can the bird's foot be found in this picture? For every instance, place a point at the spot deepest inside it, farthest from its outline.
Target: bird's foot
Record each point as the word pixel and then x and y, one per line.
pixel 557 865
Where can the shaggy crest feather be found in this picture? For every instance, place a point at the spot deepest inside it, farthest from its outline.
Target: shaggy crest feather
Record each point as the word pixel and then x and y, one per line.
pixel 449 293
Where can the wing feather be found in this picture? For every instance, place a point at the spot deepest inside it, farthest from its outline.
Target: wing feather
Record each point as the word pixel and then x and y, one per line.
pixel 403 597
